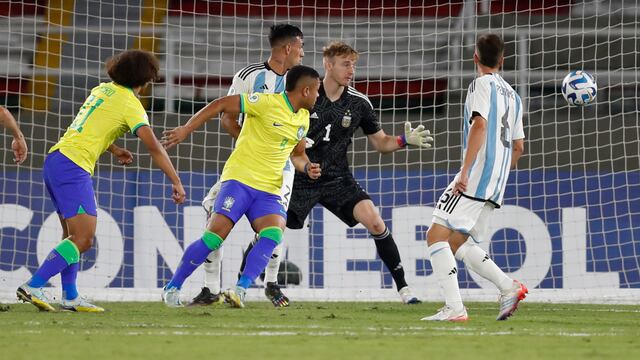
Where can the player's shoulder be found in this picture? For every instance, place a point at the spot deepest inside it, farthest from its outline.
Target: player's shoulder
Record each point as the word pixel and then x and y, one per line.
pixel 481 83
pixel 358 97
pixel 250 69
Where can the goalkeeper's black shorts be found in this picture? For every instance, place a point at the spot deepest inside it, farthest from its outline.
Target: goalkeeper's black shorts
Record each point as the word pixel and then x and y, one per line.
pixel 338 195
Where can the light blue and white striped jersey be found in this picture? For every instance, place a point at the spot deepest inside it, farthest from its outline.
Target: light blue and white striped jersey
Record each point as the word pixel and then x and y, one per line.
pixel 495 100
pixel 258 77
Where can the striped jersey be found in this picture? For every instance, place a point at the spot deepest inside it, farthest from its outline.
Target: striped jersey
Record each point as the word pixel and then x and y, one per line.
pixel 257 78
pixel 495 100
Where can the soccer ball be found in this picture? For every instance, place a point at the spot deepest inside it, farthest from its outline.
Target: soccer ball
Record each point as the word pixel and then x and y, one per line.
pixel 579 88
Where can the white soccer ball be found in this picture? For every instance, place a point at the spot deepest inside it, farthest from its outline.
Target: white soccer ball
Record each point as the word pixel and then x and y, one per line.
pixel 579 88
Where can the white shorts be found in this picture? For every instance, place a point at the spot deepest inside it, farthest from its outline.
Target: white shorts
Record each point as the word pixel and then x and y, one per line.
pixel 462 214
pixel 288 175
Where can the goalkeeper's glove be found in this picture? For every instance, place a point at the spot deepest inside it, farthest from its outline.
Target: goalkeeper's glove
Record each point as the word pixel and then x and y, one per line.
pixel 418 136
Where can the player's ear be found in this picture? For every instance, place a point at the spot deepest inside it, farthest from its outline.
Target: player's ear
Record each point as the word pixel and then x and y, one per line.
pixel 306 91
pixel 476 59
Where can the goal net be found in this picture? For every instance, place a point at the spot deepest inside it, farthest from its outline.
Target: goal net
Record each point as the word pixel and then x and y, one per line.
pixel 570 226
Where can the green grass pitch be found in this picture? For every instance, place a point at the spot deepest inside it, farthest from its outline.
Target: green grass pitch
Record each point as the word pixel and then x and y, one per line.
pixel 328 330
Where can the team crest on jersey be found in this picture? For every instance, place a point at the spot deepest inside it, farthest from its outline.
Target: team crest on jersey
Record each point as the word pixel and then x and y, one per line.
pixel 253 98
pixel 228 203
pixel 346 119
pixel 300 132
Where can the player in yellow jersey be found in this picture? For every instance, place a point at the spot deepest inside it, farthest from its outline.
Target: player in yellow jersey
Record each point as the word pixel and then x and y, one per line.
pixel 273 131
pixel 111 110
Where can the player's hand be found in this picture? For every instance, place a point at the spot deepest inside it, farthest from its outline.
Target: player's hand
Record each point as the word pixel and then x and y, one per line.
pixel 173 137
pixel 461 181
pixel 418 136
pixel 179 194
pixel 19 147
pixel 308 143
pixel 313 170
pixel 124 156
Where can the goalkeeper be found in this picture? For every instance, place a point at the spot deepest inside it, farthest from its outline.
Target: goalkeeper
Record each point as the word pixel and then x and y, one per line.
pixel 339 111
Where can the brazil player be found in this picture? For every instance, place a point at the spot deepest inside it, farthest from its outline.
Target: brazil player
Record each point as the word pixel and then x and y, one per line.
pixel 286 42
pixel 338 113
pixel 18 145
pixel 273 131
pixel 493 140
pixel 111 110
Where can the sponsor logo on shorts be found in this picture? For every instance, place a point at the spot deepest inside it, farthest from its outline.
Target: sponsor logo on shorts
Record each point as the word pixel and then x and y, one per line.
pixel 228 203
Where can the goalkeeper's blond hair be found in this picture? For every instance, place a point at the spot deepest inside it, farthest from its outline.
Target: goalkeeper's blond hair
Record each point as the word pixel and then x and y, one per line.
pixel 339 48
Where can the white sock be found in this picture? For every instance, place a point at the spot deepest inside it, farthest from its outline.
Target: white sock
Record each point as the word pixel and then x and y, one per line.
pixel 446 271
pixel 479 261
pixel 271 271
pixel 212 271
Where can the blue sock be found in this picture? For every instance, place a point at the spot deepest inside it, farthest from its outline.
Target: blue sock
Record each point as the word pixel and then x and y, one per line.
pixel 68 276
pixel 257 260
pixel 63 255
pixel 194 255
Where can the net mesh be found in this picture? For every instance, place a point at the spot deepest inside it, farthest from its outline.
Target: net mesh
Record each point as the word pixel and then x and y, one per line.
pixel 571 220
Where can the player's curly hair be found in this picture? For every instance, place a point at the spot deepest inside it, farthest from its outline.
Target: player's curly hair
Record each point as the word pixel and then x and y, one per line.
pixel 133 68
pixel 490 48
pixel 338 48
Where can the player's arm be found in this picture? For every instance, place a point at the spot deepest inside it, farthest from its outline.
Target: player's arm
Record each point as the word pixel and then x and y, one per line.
pixel 18 145
pixel 477 137
pixel 230 120
pixel 302 163
pixel 124 156
pixel 230 104
pixel 516 151
pixel 517 147
pixel 230 124
pixel 384 143
pixel 161 159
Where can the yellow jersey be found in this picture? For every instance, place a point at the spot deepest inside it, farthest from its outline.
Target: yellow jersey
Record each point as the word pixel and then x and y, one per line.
pixel 109 112
pixel 270 131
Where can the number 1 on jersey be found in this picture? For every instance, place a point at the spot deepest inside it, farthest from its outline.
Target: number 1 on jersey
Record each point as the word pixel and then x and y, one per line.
pixel 326 136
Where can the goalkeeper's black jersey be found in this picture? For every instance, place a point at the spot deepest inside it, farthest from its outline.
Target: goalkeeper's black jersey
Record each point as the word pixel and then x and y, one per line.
pixel 331 127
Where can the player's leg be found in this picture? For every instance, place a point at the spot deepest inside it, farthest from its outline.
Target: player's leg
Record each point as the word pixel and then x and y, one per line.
pixel 367 214
pixel 71 191
pixel 477 260
pixel 230 205
pixel 271 289
pixel 446 272
pixel 210 293
pixel 82 229
pixel 268 218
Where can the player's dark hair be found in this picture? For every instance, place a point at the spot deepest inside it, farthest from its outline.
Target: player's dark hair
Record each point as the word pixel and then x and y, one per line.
pixel 490 48
pixel 338 48
pixel 132 68
pixel 282 33
pixel 298 73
